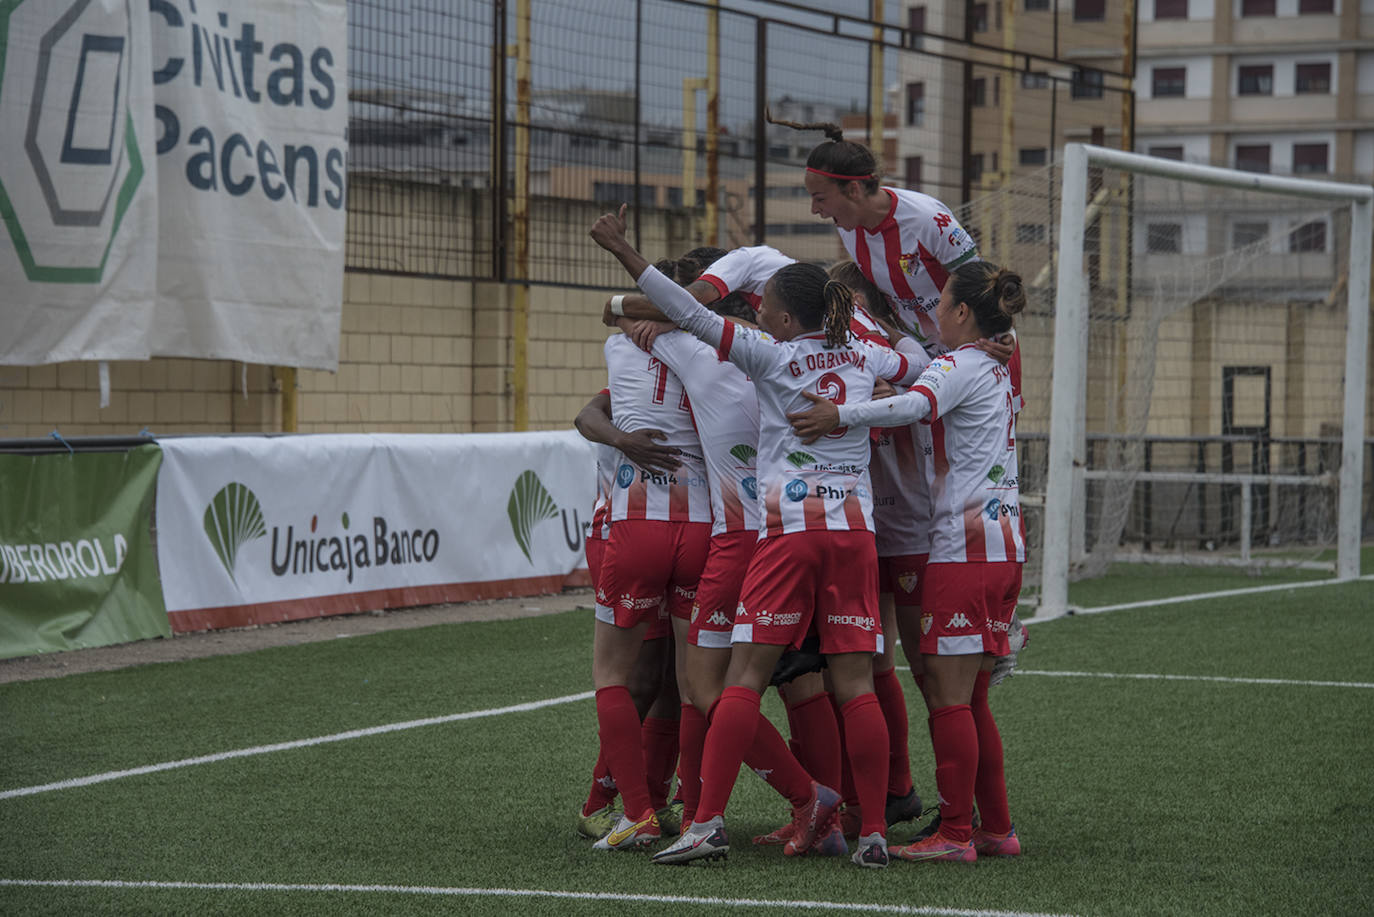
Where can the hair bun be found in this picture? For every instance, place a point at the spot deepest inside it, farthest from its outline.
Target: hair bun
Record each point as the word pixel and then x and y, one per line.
pixel 1011 293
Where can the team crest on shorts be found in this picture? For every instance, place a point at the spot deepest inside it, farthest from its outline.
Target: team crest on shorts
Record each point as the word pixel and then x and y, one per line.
pixel 907 581
pixel 926 622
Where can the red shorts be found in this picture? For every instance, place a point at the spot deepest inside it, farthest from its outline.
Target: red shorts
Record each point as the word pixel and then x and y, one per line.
pixel 596 547
pixel 823 581
pixel 646 561
pixel 902 575
pixel 713 612
pixel 966 607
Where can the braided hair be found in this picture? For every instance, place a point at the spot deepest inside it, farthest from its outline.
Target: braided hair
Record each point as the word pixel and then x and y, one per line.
pixel 817 302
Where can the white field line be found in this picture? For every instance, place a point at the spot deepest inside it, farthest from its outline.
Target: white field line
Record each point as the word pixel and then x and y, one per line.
pixel 1150 676
pixel 1076 610
pixel 299 743
pixel 528 893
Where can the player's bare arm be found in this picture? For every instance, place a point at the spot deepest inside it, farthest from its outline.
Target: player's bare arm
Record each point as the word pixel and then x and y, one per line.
pixel 640 447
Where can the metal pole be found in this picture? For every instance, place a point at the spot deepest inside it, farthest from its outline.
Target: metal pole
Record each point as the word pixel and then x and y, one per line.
pixel 760 129
pixel 639 51
pixel 875 81
pixel 520 312
pixel 712 234
pixel 1356 389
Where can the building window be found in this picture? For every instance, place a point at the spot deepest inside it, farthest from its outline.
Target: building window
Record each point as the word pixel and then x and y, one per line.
pixel 915 104
pixel 1312 78
pixel 979 14
pixel 1171 9
pixel 1164 238
pixel 913 172
pixel 1316 6
pixel 1035 81
pixel 1167 81
pixel 1309 159
pixel 996 90
pixel 1089 10
pixel 1033 156
pixel 1255 80
pixel 1257 7
pixel 1087 84
pixel 1166 152
pixel 978 91
pixel 1309 237
pixel 916 19
pixel 1036 6
pixel 1252 157
pixel 975 166
pixel 1030 233
pixel 1243 234
pixel 620 193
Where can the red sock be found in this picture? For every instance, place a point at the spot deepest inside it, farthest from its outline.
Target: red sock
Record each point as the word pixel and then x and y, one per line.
pixel 603 790
pixel 771 759
pixel 846 785
pixel 819 738
pixel 692 740
pixel 734 720
pixel 888 687
pixel 660 741
pixel 620 744
pixel 990 786
pixel 955 739
pixel 867 747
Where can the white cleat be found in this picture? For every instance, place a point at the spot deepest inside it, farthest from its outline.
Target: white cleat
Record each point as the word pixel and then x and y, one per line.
pixel 699 842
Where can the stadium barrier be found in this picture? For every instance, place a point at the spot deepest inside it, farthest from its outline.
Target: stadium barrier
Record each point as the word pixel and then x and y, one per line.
pixel 260 529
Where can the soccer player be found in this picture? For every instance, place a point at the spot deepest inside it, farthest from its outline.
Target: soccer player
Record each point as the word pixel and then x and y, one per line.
pixel 973 579
pixel 815 564
pixel 660 528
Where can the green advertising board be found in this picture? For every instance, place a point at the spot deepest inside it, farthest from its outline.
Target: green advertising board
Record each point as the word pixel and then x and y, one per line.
pixel 77 567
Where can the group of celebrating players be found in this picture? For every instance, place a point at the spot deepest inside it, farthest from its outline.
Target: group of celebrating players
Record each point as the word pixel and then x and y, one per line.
pixel 795 463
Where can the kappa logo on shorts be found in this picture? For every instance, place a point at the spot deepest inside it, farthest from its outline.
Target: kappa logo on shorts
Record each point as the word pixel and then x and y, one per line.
pixel 907 581
pixel 718 619
pixel 795 490
pixel 926 622
pixel 959 619
pixel 625 475
pixel 852 620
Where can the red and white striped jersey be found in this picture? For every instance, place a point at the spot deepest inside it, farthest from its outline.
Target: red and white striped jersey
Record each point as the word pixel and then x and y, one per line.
pixel 965 403
pixel 605 474
pixel 745 271
pixel 909 257
pixel 821 486
pixel 901 495
pixel 646 395
pixel 726 410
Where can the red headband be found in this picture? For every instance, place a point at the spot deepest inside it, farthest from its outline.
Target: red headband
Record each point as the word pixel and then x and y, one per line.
pixel 840 177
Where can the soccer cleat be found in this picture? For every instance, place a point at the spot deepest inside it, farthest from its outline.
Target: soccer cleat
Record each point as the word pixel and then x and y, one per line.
pixel 937 847
pixel 812 819
pixel 872 851
pixel 928 830
pixel 699 842
pixel 996 845
pixel 598 824
pixel 805 658
pixel 628 834
pixel 832 844
pixel 670 818
pixel 777 837
pixel 902 808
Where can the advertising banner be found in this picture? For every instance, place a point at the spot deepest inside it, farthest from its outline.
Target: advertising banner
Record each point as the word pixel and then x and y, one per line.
pixel 174 184
pixel 259 529
pixel 76 558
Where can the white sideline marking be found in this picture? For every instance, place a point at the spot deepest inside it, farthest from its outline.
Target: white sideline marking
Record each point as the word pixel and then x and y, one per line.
pixel 1235 681
pixel 299 743
pixel 1076 610
pixel 528 893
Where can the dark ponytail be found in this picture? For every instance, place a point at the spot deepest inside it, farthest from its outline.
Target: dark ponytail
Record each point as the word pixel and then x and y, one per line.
pixel 994 294
pixel 839 311
pixel 836 158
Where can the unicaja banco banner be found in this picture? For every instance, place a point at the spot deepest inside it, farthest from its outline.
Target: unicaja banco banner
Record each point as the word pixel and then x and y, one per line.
pixel 170 169
pixel 76 558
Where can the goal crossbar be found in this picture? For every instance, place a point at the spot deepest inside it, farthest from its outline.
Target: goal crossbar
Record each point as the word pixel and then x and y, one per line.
pixel 1066 460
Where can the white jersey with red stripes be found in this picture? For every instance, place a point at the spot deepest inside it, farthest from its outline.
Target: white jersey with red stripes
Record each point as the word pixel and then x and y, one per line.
pixel 726 409
pixel 965 403
pixel 646 395
pixel 821 486
pixel 605 474
pixel 745 271
pixel 909 256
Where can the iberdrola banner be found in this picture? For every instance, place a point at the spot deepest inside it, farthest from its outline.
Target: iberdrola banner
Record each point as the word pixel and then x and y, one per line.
pixel 172 179
pixel 76 558
pixel 259 529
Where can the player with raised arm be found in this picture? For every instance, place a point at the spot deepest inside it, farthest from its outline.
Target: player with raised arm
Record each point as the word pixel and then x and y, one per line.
pixel 815 564
pixel 964 399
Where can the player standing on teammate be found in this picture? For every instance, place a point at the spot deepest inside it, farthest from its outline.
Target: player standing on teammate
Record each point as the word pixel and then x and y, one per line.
pixel 815 564
pixel 977 548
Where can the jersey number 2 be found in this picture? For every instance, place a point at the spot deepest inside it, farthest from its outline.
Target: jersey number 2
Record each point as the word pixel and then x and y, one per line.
pixel 832 386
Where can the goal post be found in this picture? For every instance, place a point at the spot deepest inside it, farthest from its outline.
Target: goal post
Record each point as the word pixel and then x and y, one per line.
pixel 1068 459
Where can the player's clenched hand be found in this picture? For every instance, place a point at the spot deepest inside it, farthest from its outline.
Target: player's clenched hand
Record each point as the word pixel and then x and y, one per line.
pixel 819 420
pixel 609 229
pixel 883 389
pixel 644 332
pixel 999 348
pixel 641 448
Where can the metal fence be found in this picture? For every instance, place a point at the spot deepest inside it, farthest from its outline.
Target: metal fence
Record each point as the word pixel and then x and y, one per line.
pixel 484 141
